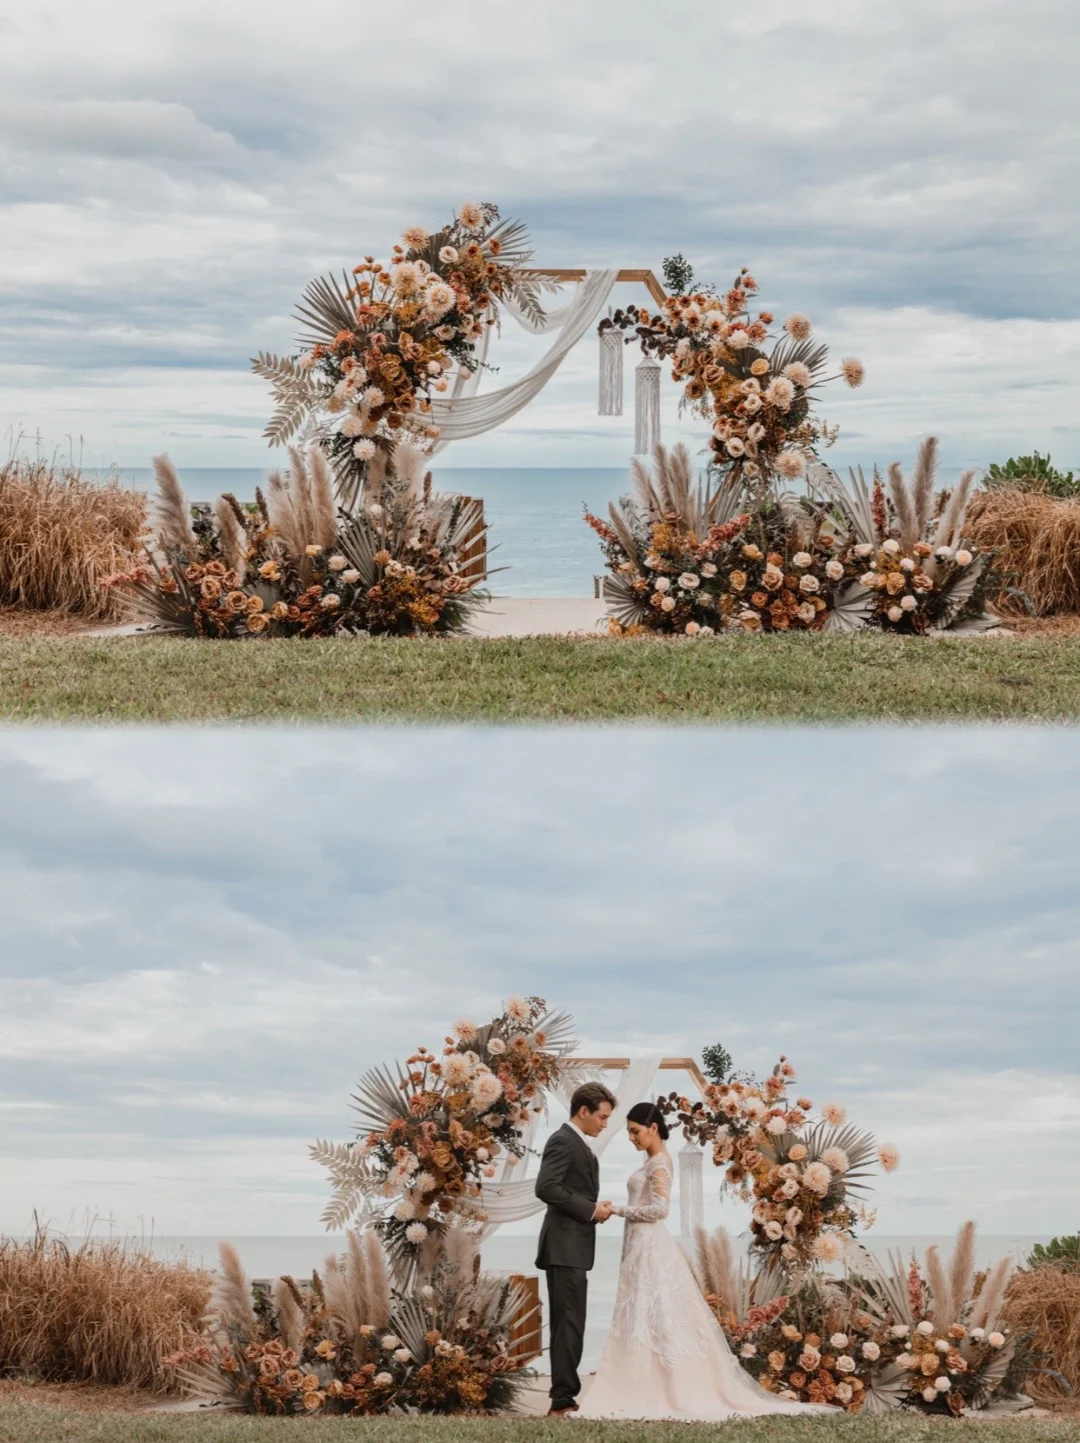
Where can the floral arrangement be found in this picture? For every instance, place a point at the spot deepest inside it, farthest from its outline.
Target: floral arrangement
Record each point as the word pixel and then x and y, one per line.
pixel 699 558
pixel 381 344
pixel 432 1133
pixel 682 563
pixel 754 387
pixel 295 564
pixel 906 542
pixel 803 1174
pixel 878 1337
pixel 349 1343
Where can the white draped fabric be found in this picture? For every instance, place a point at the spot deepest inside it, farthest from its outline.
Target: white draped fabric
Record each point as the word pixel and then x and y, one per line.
pixel 464 413
pixel 508 1199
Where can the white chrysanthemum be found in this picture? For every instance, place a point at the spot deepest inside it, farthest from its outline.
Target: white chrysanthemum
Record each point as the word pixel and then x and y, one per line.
pixel 791 465
pixel 798 374
pixel 834 1114
pixel 854 372
pixel 463 1029
pixel 943 1345
pixel 835 1158
pixel 926 1328
pixel 942 1384
pixel 415 236
pixel 738 340
pixel 372 397
pixel 456 1070
pixel 944 553
pixel 471 216
pixel 353 425
pixel 753 1108
pixel 406 278
pixel 978 1334
pixel 688 581
pixel 827 1249
pixel 517 1009
pixel 780 393
pixel 364 450
pixel 438 299
pixel 424 1182
pixel 486 1089
pixel 776 1125
pixel 817 1178
pixel 405 1209
pixel 907 564
pixel 798 326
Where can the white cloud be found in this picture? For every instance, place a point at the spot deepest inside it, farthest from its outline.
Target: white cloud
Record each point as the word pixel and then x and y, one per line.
pixel 210 933
pixel 173 175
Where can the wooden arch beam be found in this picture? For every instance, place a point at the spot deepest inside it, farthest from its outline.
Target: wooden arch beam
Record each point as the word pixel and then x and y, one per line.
pixel 645 278
pixel 668 1064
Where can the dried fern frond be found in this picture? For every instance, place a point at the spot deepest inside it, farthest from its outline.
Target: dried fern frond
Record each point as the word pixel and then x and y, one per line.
pixel 231 534
pixel 231 1300
pixel 290 1315
pixel 172 514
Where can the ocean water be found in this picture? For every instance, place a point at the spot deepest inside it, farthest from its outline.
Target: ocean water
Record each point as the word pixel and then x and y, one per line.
pixel 535 517
pixel 268 1257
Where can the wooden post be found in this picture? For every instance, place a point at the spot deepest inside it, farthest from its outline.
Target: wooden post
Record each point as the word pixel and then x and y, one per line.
pixel 525 1336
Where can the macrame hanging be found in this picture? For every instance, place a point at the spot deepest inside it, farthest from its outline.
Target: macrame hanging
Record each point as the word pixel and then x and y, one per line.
pixel 646 406
pixel 611 372
pixel 691 1191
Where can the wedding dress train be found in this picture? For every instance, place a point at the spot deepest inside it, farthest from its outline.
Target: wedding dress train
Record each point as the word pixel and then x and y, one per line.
pixel 666 1355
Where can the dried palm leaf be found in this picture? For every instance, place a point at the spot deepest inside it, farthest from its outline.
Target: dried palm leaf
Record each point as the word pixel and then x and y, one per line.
pixel 627 606
pixel 851 609
pixel 325 309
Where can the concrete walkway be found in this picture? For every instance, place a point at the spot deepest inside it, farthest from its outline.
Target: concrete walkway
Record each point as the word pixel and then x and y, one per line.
pixel 501 616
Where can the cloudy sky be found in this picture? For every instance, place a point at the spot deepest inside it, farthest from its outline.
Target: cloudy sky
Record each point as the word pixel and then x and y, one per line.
pixel 210 934
pixel 172 174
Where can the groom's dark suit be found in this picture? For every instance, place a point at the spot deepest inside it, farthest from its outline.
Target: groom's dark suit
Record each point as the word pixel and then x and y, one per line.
pixel 569 1183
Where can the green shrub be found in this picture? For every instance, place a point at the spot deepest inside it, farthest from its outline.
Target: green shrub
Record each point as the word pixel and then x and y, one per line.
pixel 1058 1253
pixel 1033 473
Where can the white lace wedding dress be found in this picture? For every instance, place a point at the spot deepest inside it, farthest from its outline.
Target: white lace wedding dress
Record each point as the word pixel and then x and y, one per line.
pixel 666 1355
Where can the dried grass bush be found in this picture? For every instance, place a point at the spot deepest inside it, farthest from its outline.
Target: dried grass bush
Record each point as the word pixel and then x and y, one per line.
pixel 60 534
pixel 1045 1302
pixel 1036 539
pixel 101 1312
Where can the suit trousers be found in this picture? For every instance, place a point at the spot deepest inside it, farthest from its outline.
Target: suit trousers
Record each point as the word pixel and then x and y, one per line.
pixel 567 1295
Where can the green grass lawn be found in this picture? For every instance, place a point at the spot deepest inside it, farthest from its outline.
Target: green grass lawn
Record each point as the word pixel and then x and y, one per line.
pixel 24 1422
pixel 752 679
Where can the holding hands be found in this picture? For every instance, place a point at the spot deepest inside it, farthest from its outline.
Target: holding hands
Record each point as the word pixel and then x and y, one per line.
pixel 603 1211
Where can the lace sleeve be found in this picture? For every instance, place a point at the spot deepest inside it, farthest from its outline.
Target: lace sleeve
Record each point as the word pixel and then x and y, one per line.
pixel 659 1204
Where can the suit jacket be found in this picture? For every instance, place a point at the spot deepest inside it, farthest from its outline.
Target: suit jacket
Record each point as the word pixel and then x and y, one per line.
pixel 569 1182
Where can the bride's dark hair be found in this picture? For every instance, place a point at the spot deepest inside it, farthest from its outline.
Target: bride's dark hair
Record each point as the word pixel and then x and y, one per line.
pixel 645 1114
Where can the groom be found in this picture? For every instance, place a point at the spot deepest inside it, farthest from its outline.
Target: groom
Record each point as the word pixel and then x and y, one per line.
pixel 569 1183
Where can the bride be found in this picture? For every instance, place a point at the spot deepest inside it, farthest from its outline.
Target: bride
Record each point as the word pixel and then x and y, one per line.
pixel 666 1355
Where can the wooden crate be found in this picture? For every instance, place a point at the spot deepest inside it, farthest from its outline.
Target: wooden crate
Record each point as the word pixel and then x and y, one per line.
pixel 473 558
pixel 526 1334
